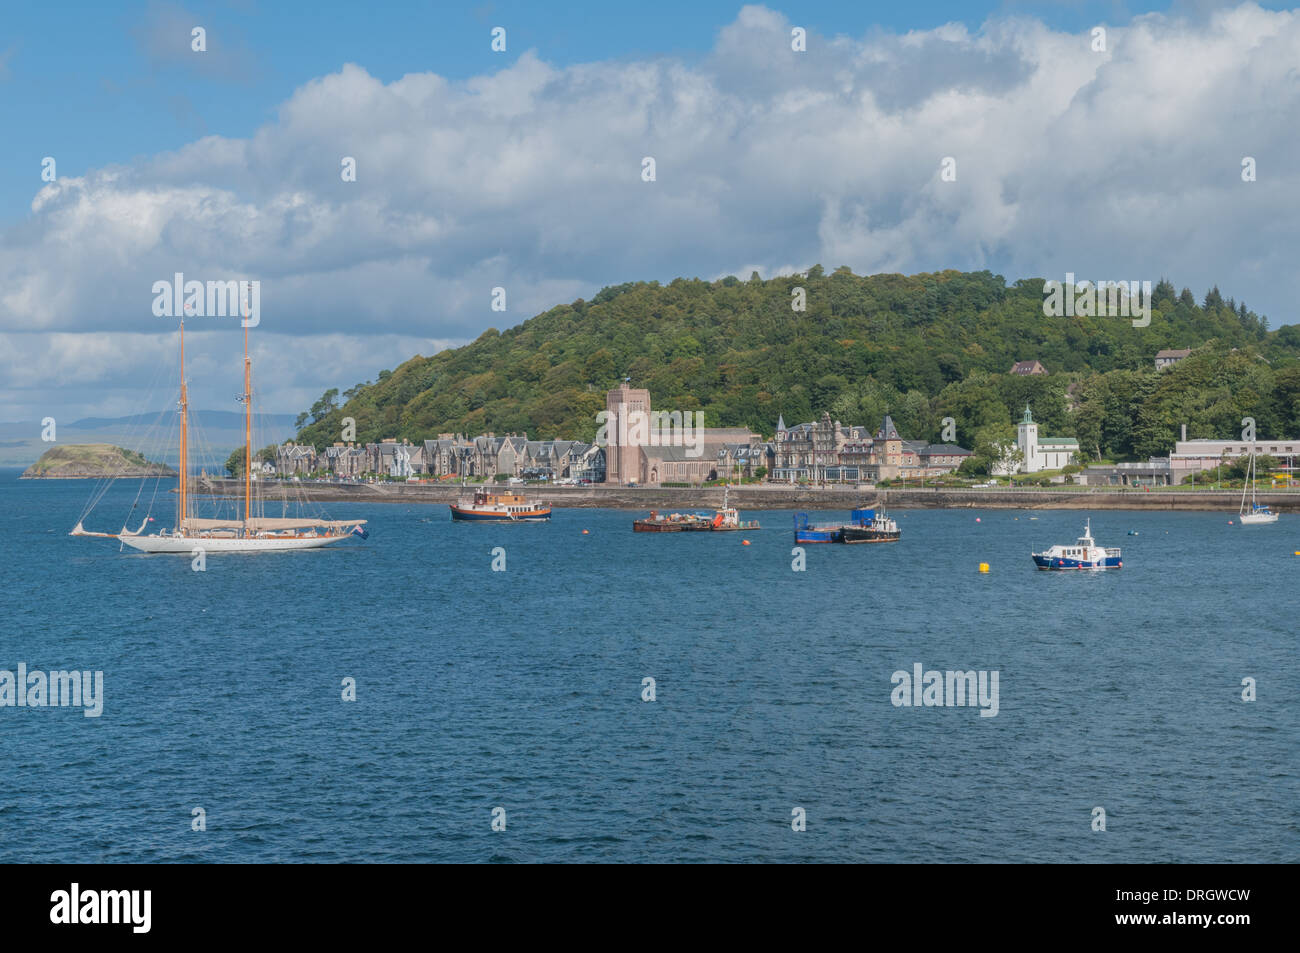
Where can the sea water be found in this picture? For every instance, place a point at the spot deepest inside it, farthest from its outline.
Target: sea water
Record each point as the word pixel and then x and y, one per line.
pixel 524 690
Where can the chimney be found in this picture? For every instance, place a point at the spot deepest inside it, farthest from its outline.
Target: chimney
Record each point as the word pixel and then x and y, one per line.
pixel 1184 433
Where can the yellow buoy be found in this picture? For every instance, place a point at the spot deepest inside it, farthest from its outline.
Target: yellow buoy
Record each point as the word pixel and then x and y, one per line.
pixel 984 567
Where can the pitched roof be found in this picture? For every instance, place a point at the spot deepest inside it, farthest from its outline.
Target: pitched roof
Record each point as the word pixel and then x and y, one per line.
pixel 1027 367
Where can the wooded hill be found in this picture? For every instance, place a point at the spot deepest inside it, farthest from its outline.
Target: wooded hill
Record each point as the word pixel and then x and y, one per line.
pixel 920 347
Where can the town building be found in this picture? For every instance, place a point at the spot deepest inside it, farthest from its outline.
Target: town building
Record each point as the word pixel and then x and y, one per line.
pixel 293 459
pixel 450 456
pixel 1169 357
pixel 1193 456
pixel 640 449
pixel 1041 453
pixel 829 452
pixel 1155 472
pixel 1022 368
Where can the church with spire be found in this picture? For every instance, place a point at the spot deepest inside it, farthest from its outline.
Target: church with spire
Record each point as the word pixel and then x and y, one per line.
pixel 1042 453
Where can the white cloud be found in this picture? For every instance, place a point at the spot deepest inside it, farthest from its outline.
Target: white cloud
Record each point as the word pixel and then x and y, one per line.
pixel 1124 164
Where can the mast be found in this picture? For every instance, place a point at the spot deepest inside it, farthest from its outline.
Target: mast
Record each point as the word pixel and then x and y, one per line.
pixel 1250 463
pixel 182 501
pixel 248 429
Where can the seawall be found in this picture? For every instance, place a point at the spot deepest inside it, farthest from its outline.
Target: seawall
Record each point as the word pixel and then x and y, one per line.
pixel 766 497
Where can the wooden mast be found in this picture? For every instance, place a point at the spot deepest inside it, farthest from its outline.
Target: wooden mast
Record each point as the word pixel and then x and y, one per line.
pixel 248 430
pixel 183 502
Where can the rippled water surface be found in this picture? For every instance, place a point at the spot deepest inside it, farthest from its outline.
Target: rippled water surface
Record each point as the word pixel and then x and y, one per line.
pixel 522 690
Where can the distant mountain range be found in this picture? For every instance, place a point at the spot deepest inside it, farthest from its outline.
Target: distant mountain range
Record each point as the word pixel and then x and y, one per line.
pixel 214 432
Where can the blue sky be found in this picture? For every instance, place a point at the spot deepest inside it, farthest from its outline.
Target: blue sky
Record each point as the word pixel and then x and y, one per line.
pixel 522 169
pixel 92 84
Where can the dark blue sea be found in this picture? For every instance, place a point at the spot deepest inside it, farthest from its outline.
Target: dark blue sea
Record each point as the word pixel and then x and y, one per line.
pixel 522 690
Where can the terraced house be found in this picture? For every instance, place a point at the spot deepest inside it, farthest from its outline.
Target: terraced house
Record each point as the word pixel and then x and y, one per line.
pixel 450 456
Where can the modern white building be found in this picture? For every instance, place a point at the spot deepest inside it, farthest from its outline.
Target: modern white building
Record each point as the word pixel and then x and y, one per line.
pixel 1191 456
pixel 1042 453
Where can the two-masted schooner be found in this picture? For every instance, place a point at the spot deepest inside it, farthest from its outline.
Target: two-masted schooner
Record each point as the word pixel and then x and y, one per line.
pixel 253 533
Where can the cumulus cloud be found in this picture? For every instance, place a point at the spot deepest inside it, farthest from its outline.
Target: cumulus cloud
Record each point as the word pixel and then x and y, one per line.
pixel 1123 164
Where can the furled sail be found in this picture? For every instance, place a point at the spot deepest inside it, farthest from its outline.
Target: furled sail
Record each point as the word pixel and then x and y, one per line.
pixel 265 524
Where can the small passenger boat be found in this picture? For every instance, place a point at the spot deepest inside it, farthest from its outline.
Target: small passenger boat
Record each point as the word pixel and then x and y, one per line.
pixel 1084 554
pixel 489 505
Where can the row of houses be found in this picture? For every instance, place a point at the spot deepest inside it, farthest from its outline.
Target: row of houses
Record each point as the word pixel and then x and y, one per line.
pixel 822 451
pixel 449 456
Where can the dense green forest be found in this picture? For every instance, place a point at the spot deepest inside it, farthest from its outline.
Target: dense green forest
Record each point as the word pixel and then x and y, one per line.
pixel 921 347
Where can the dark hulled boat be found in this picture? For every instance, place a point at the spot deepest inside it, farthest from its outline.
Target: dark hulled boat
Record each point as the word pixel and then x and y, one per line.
pixel 879 529
pixel 864 526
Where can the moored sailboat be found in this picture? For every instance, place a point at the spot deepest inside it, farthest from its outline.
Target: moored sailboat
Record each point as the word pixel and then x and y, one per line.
pixel 1258 514
pixel 252 533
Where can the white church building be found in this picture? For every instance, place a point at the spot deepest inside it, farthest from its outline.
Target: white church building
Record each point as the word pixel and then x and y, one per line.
pixel 1041 453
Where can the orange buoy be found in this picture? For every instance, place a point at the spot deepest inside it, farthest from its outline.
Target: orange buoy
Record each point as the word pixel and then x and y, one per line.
pixel 977 519
pixel 584 532
pixel 744 542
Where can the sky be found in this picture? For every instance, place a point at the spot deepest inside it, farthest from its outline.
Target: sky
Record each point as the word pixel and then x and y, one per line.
pixel 523 169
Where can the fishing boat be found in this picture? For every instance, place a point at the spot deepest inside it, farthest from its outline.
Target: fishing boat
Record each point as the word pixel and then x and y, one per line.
pixel 254 532
pixel 1084 554
pixel 871 527
pixel 658 522
pixel 498 506
pixel 1258 514
pixel 727 519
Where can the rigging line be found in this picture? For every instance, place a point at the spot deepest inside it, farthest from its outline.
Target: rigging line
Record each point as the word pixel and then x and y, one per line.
pixel 137 422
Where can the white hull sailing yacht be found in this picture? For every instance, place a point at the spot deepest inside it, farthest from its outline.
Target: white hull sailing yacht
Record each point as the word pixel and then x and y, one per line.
pixel 1257 515
pixel 253 533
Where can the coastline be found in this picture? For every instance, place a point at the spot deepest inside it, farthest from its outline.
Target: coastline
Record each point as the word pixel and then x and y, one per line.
pixel 769 497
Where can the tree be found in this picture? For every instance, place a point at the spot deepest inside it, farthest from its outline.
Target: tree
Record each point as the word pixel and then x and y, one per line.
pixel 1005 457
pixel 325 405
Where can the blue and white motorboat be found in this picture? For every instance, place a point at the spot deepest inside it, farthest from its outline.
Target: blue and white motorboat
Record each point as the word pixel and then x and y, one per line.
pixel 1084 554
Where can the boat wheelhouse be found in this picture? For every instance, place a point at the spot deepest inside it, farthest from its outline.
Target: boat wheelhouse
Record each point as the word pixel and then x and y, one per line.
pixel 1084 554
pixel 728 519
